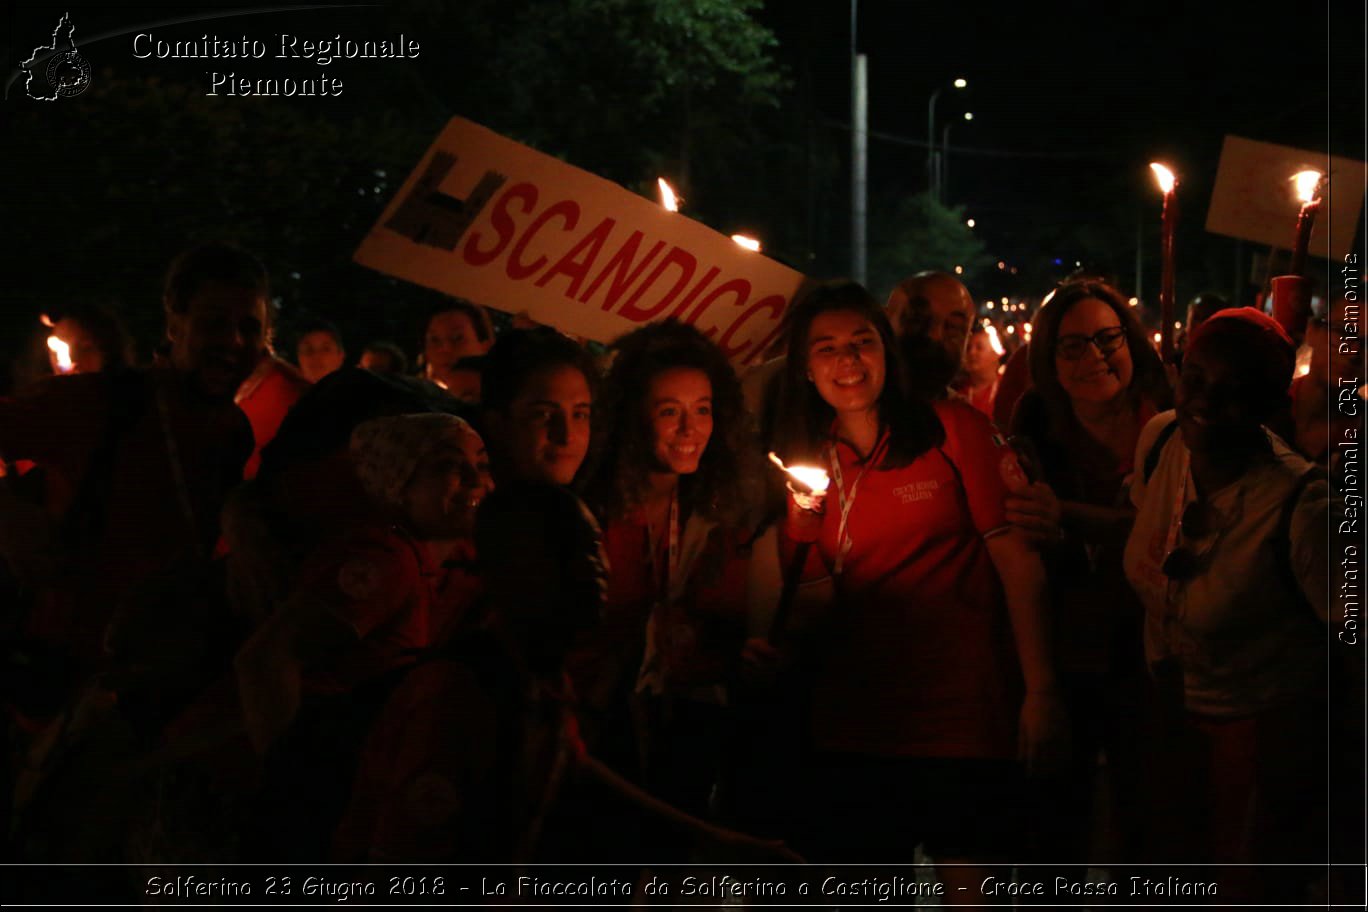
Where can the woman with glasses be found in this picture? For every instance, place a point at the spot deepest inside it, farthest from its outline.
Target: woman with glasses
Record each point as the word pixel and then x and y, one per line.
pixel 1096 382
pixel 1228 556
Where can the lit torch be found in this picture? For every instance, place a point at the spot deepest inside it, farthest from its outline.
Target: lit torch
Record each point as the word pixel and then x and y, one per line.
pixel 1303 362
pixel 667 195
pixel 61 354
pixel 994 339
pixel 1309 185
pixel 815 482
pixel 812 479
pixel 1291 293
pixel 749 243
pixel 1167 183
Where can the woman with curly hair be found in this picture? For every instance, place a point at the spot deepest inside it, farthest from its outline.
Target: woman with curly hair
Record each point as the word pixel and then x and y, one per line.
pixel 673 492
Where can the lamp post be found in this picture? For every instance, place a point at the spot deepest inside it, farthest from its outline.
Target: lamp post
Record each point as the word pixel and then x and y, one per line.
pixel 943 178
pixel 859 153
pixel 931 134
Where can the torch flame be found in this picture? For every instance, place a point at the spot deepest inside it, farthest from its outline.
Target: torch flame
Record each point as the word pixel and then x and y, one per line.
pixel 749 243
pixel 994 340
pixel 816 480
pixel 62 352
pixel 667 195
pixel 1308 183
pixel 1164 176
pixel 1303 361
pixel 47 321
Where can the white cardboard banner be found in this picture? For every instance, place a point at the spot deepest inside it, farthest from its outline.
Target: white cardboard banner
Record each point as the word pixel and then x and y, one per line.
pixel 1254 198
pixel 490 220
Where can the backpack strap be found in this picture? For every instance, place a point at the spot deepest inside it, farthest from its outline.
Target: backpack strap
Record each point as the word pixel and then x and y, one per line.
pixel 1157 449
pixel 1282 536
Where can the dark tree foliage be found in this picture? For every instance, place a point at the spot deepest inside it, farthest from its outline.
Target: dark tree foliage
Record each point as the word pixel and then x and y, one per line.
pixel 111 184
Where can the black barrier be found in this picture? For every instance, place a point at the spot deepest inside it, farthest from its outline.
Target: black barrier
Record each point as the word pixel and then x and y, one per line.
pixel 678 886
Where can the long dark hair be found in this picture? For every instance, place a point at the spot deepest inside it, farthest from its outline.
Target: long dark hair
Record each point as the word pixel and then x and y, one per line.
pixel 725 487
pixel 1147 371
pixel 803 421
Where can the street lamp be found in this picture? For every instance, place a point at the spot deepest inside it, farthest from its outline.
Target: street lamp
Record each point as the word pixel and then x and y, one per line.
pixel 943 178
pixel 859 152
pixel 931 132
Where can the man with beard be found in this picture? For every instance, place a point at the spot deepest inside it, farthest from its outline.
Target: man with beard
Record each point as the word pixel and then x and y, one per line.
pixel 932 314
pixel 137 464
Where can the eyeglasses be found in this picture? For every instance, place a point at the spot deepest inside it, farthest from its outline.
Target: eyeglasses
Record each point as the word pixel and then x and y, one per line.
pixel 1182 564
pixel 1106 341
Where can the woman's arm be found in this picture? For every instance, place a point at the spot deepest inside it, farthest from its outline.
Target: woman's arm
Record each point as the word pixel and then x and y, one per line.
pixel 1095 522
pixel 1043 734
pixel 1036 511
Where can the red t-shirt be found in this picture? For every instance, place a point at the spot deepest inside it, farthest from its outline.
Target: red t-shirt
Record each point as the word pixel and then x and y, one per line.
pixel 385 586
pixel 698 636
pixel 266 397
pixel 920 660
pixel 981 397
pixel 1014 382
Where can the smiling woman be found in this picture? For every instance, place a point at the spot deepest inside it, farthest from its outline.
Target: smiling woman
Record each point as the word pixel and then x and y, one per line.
pixel 916 715
pixel 1096 382
pixel 672 491
pixel 1228 556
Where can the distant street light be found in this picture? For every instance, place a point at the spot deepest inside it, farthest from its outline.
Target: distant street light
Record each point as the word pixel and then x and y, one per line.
pixel 943 177
pixel 931 136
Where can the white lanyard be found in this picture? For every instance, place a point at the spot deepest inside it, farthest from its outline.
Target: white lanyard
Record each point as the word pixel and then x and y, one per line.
pixel 844 542
pixel 672 552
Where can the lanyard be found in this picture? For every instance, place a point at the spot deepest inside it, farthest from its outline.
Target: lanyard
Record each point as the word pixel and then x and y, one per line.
pixel 847 501
pixel 662 580
pixel 1175 529
pixel 651 675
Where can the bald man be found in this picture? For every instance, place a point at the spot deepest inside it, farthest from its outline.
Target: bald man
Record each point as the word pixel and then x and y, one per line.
pixel 932 314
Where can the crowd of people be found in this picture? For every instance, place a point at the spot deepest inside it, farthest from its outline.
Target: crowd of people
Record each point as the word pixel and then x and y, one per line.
pixel 546 601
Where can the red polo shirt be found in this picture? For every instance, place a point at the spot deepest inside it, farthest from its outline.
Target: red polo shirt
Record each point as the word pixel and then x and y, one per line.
pixel 920 660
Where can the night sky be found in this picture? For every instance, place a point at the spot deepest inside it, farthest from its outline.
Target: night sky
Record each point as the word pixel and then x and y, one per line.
pixel 1068 110
pixel 1069 107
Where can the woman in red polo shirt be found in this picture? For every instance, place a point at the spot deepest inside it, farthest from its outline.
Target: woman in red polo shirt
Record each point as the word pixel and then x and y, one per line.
pixel 918 709
pixel 673 493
